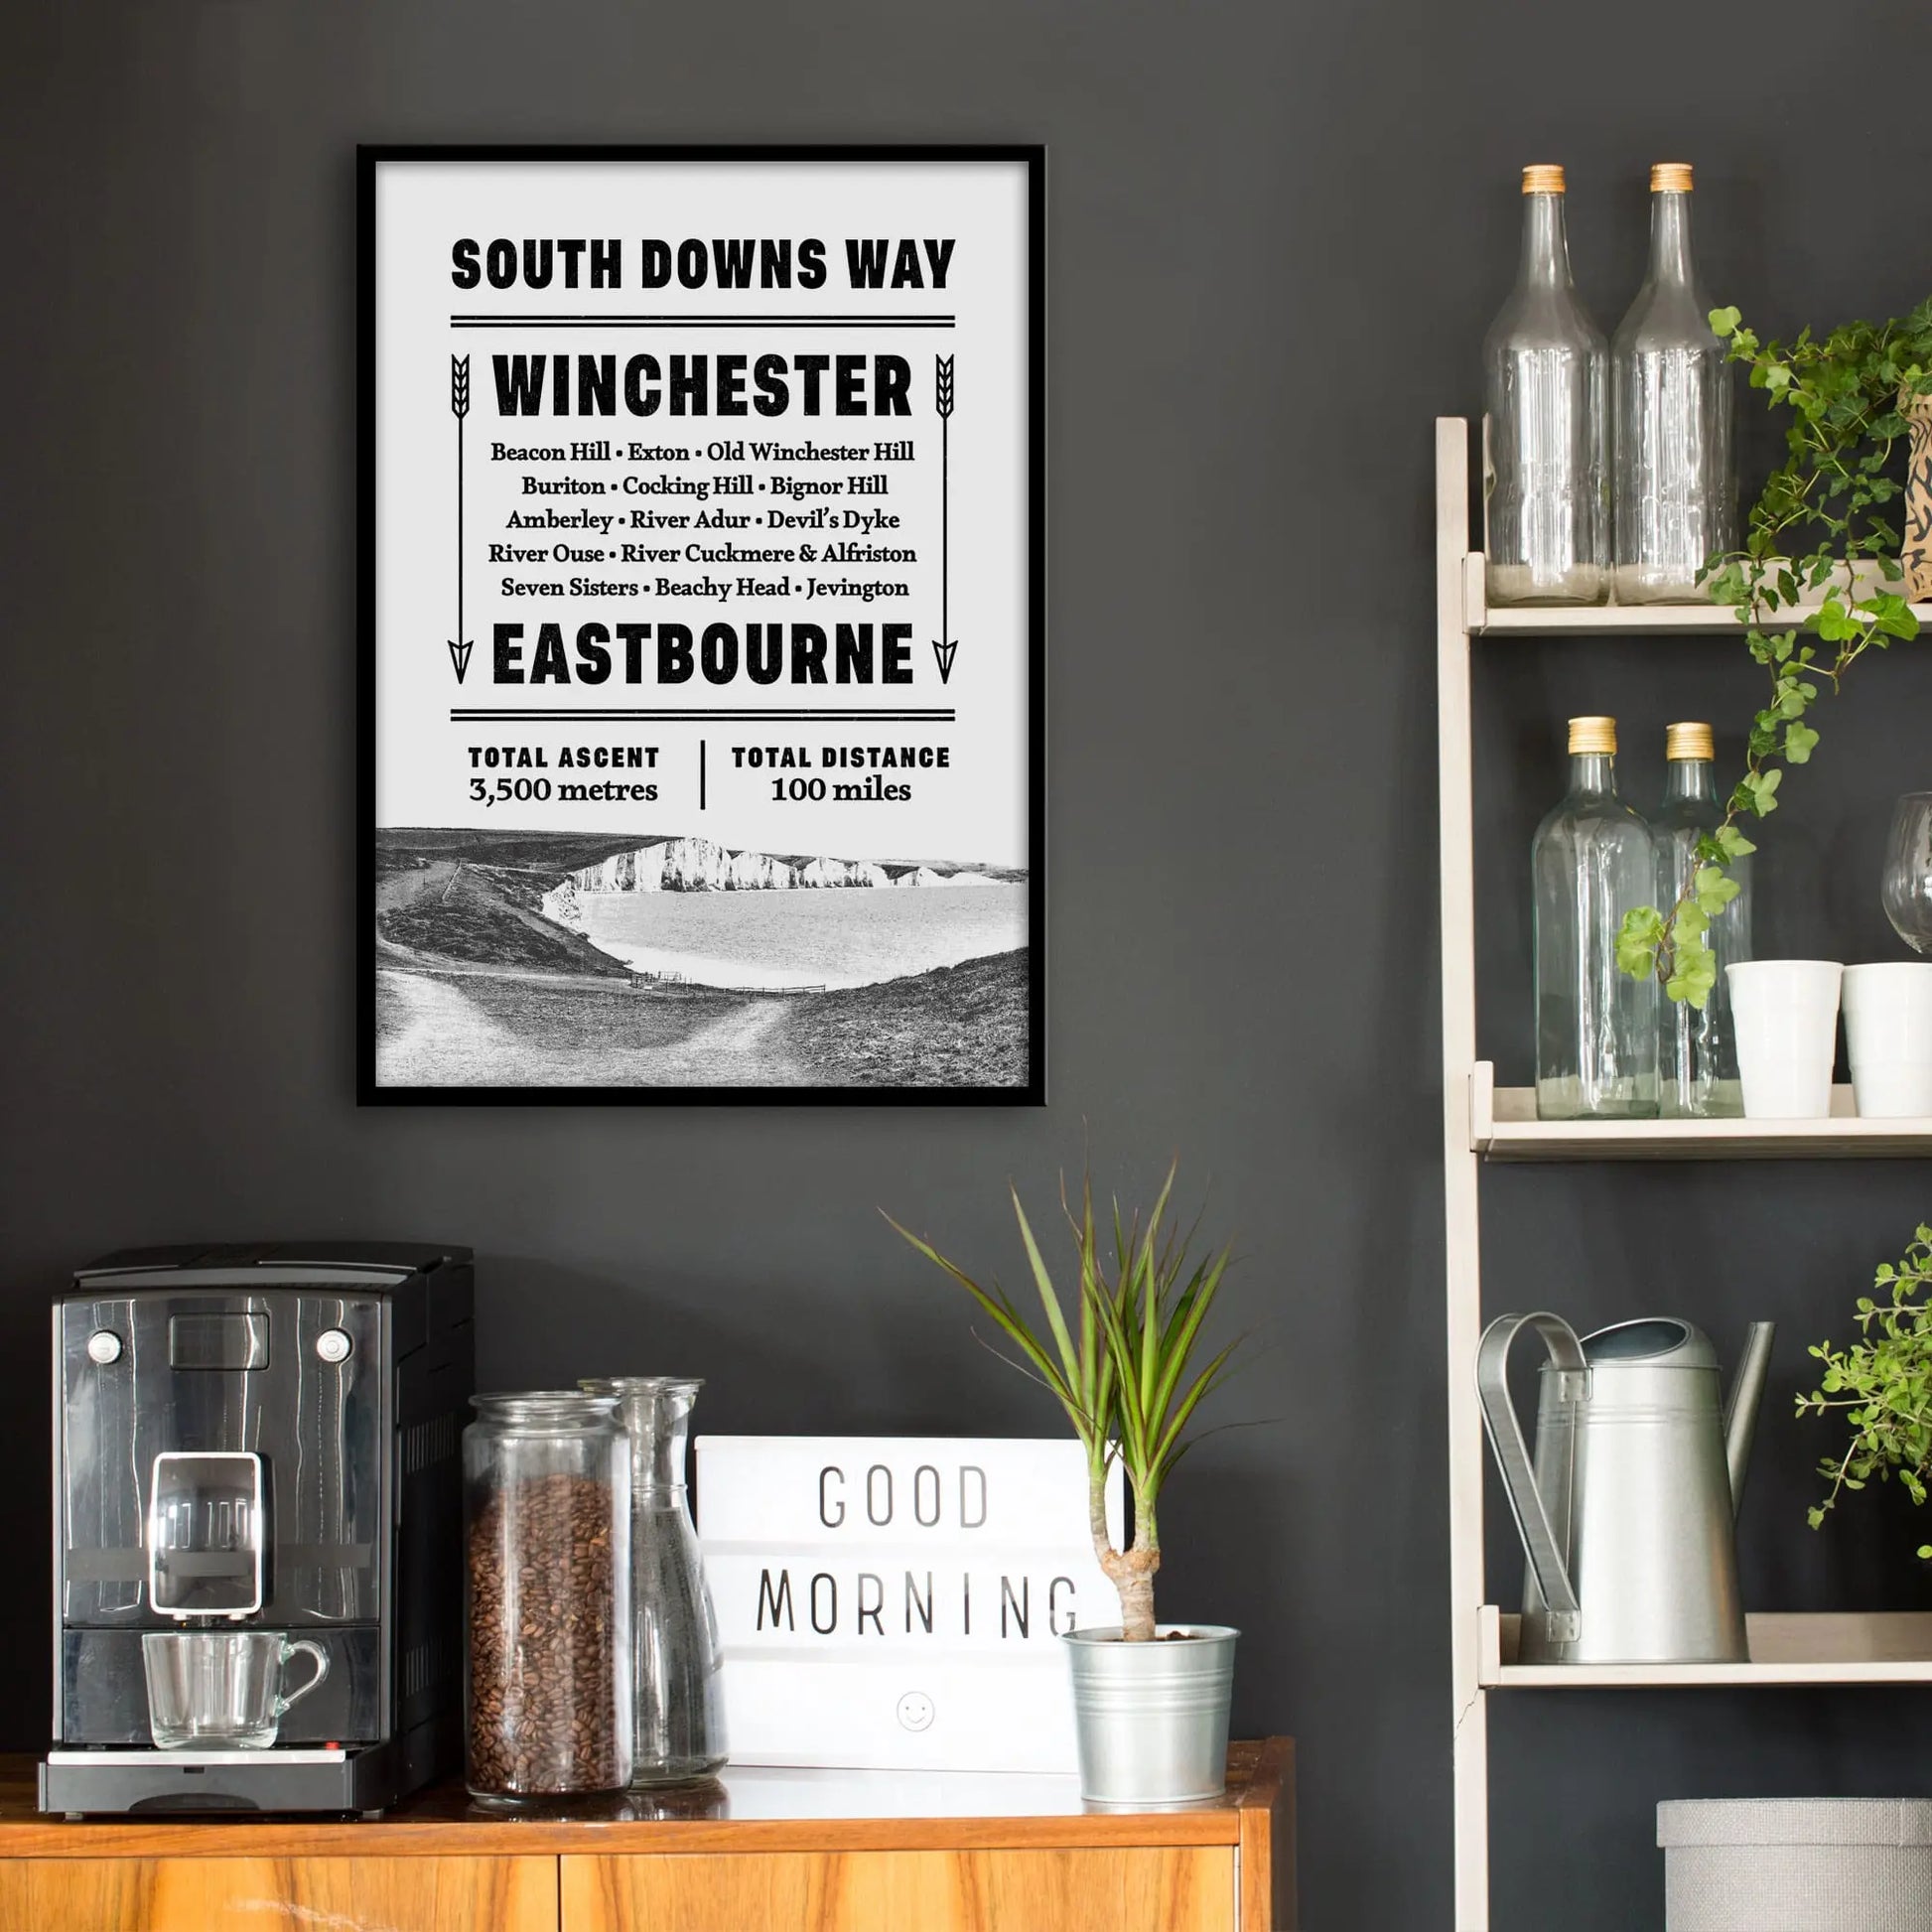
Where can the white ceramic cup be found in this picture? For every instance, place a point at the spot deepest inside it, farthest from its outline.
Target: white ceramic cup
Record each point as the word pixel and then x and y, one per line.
pixel 1785 1013
pixel 1889 1038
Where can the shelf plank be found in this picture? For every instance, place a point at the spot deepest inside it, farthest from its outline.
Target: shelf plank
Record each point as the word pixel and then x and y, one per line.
pixel 1788 1649
pixel 1503 1127
pixel 1488 619
pixel 1636 620
pixel 1605 619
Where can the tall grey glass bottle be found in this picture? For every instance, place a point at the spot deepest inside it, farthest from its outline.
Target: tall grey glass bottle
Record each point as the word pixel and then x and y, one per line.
pixel 1700 1066
pixel 1591 863
pixel 675 1660
pixel 1545 509
pixel 1672 403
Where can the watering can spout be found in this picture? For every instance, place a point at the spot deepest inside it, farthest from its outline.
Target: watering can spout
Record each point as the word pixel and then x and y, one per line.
pixel 1741 1409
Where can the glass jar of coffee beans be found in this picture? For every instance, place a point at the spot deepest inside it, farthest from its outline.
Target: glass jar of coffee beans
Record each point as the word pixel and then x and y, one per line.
pixel 546 1481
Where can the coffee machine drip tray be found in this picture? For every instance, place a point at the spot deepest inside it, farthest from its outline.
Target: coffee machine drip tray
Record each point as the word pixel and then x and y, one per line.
pixel 292 1779
pixel 275 1755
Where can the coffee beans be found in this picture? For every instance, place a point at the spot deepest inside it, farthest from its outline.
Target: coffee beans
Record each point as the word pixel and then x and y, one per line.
pixel 545 1665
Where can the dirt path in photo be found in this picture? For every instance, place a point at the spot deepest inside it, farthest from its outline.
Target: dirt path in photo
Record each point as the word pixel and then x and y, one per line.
pixel 395 889
pixel 740 1049
pixel 428 1034
pixel 431 1033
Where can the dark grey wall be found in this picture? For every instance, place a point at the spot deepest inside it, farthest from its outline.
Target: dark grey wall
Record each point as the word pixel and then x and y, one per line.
pixel 1277 235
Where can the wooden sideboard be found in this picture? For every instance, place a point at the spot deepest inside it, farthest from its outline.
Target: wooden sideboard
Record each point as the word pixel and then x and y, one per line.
pixel 792 1850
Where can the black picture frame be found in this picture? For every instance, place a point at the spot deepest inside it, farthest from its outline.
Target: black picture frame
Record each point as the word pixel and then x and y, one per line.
pixel 370 160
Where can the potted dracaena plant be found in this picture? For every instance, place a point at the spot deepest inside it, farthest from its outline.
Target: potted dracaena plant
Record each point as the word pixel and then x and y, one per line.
pixel 1124 1357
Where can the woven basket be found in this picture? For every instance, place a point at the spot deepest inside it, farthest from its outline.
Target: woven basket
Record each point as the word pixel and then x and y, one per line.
pixel 1797 1865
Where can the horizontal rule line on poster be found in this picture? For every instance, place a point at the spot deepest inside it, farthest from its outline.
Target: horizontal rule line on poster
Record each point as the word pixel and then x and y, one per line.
pixel 702 322
pixel 927 717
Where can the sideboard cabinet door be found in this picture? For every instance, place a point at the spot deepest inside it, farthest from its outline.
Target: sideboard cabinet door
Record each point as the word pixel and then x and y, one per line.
pixel 435 1895
pixel 1113 1888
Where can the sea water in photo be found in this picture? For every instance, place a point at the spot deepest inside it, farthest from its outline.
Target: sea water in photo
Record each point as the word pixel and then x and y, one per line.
pixel 852 937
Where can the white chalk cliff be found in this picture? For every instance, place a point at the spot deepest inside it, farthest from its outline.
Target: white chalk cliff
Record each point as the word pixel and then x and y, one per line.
pixel 684 865
pixel 700 866
pixel 560 908
pixel 839 872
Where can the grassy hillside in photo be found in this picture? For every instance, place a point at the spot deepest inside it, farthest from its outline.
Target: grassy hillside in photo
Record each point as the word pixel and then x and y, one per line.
pixel 483 916
pixel 958 1026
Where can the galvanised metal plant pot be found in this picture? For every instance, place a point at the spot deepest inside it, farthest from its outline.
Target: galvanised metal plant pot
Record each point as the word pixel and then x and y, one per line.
pixel 1153 1718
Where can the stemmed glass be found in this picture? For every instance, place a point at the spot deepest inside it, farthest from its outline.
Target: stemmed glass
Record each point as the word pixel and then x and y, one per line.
pixel 1908 871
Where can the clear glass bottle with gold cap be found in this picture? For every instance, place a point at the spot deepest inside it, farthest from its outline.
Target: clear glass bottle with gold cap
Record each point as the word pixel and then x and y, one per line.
pixel 1596 1029
pixel 1699 1079
pixel 1545 509
pixel 1672 402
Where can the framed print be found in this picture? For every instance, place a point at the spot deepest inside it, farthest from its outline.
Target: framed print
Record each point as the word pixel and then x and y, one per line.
pixel 702 614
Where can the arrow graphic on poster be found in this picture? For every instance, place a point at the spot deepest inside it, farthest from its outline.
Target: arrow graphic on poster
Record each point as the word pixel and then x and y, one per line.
pixel 459 408
pixel 945 648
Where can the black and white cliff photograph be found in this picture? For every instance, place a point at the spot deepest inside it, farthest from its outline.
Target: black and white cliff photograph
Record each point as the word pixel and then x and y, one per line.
pixel 541 960
pixel 702 627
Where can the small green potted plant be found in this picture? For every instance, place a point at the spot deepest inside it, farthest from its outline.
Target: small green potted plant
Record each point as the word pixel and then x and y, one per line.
pixel 1883 1383
pixel 1125 1361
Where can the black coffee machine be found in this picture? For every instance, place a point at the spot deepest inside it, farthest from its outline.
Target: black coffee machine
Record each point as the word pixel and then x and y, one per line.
pixel 259 1439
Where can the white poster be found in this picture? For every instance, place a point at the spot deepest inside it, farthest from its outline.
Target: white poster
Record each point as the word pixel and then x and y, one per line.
pixel 701 610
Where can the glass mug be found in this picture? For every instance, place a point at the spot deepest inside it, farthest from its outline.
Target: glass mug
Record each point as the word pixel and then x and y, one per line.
pixel 222 1690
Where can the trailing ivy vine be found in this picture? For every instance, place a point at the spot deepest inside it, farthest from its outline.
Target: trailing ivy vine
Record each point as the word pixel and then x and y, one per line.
pixel 1843 447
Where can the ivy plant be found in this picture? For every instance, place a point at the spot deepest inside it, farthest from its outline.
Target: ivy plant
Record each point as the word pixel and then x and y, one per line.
pixel 1844 443
pixel 1883 1384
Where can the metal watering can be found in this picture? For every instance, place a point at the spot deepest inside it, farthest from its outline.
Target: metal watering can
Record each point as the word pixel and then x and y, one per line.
pixel 1627 1516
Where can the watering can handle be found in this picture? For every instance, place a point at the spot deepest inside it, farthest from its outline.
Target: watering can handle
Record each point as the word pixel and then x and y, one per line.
pixel 1540 1542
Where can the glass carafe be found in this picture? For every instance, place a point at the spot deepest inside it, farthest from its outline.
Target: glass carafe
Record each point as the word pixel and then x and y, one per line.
pixel 1596 1027
pixel 675 1664
pixel 1671 417
pixel 1545 441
